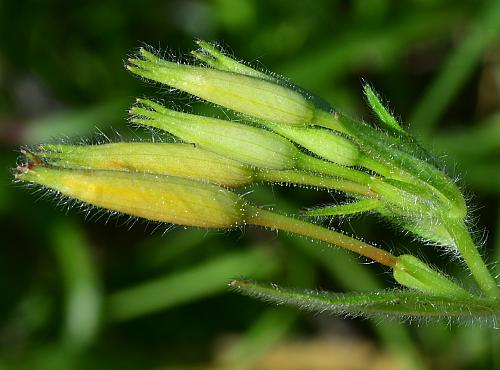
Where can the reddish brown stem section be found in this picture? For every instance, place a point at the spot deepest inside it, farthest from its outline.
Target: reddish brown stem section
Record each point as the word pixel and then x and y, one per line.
pixel 261 217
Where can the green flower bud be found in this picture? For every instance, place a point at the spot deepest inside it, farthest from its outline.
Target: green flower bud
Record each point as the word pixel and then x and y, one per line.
pixel 322 142
pixel 154 197
pixel 213 57
pixel 247 144
pixel 183 160
pixel 216 58
pixel 413 273
pixel 252 96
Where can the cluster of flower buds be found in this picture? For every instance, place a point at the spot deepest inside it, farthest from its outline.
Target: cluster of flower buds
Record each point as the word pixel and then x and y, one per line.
pixel 387 161
pixel 285 135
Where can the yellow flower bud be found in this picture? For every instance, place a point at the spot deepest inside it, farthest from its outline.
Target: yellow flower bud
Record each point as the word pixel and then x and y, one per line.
pixel 176 159
pixel 154 197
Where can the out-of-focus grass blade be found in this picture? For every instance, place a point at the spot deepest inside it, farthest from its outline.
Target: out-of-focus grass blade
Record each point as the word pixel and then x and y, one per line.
pixel 379 46
pixel 271 327
pixel 189 285
pixel 459 144
pixel 156 252
pixel 268 330
pixel 484 176
pixel 81 285
pixel 477 151
pixel 485 32
pixel 75 123
pixel 401 304
pixel 496 255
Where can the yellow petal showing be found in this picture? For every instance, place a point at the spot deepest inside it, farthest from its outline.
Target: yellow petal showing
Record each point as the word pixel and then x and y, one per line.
pixel 153 197
pixel 242 93
pixel 183 160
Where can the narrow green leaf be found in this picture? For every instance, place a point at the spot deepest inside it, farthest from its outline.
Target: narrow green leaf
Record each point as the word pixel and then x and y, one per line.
pixel 389 303
pixel 386 118
pixel 360 206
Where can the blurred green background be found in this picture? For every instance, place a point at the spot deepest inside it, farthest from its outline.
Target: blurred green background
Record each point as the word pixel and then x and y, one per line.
pixel 82 293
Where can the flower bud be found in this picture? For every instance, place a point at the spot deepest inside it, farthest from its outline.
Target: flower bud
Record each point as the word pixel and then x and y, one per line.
pixel 322 142
pixel 250 145
pixel 153 197
pixel 413 273
pixel 215 58
pixel 183 160
pixel 252 96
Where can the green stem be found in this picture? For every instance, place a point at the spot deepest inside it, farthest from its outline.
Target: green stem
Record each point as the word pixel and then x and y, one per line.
pixel 360 206
pixel 262 217
pixel 305 178
pixel 472 258
pixel 307 163
pixel 377 185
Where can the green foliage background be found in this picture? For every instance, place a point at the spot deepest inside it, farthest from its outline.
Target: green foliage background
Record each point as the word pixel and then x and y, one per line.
pixel 79 294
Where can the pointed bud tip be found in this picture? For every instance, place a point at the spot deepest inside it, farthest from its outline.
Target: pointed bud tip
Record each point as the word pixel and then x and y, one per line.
pixel 23 169
pixel 238 283
pixel 232 283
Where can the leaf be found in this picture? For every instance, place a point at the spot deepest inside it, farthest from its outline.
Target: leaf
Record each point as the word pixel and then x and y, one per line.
pixel 386 118
pixel 404 304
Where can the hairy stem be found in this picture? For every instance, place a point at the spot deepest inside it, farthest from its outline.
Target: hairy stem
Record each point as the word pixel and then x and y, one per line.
pixel 306 178
pixel 262 217
pixel 376 184
pixel 308 163
pixel 472 258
